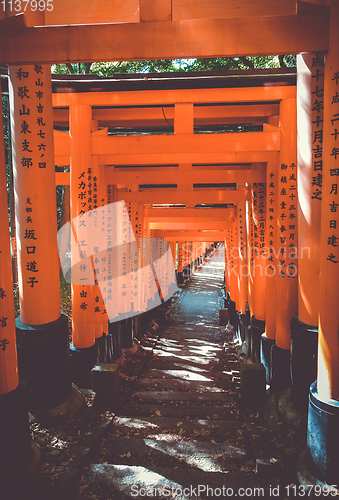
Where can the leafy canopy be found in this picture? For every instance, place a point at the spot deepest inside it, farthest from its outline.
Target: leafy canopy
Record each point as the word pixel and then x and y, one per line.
pixel 108 69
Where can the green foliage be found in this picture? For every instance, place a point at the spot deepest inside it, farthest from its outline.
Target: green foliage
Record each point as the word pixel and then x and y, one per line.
pixel 65 296
pixel 108 69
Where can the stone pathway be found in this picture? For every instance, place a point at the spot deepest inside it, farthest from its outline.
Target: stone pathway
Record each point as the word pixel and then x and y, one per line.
pixel 181 431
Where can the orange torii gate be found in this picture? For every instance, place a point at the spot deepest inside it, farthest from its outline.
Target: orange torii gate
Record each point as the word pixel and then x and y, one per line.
pixel 183 182
pixel 173 30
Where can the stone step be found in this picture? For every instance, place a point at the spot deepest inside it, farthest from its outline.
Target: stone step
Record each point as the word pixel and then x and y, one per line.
pixel 197 361
pixel 126 482
pixel 189 385
pixel 228 411
pixel 163 450
pixel 181 396
pixel 208 336
pixel 172 363
pixel 149 425
pixel 190 351
pixel 171 372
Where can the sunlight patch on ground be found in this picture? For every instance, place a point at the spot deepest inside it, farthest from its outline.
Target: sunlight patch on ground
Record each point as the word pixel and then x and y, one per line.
pixel 134 423
pixel 135 481
pixel 205 456
pixel 185 375
pixel 193 359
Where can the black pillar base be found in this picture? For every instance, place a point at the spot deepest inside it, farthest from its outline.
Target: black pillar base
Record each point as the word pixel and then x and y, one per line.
pixel 15 436
pixel 265 355
pixel 114 342
pixel 304 352
pixel 323 437
pixel 280 368
pixel 43 362
pixel 232 314
pixel 82 362
pixel 247 343
pixel 226 302
pixel 241 327
pixel 137 327
pixel 180 278
pixel 101 345
pixel 257 329
pixel 127 333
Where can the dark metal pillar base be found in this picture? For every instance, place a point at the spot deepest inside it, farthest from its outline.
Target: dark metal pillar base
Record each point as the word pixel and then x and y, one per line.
pixel 101 345
pixel 114 342
pixel 280 368
pixel 257 329
pixel 43 361
pixel 240 333
pixel 127 333
pixel 265 355
pixel 180 278
pixel 304 352
pixel 232 314
pixel 323 437
pixel 15 437
pixel 247 342
pixel 82 362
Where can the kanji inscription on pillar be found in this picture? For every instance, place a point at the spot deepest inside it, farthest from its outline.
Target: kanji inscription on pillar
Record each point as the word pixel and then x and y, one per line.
pixel 317 109
pixel 34 183
pixel 332 237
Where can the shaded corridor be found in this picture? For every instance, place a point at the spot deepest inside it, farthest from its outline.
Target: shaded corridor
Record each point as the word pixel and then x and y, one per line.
pixel 181 427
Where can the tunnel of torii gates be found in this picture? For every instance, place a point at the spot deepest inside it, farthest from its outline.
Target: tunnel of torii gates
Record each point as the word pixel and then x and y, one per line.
pixel 268 193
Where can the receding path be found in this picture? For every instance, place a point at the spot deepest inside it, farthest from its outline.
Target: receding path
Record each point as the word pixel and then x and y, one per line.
pixel 181 427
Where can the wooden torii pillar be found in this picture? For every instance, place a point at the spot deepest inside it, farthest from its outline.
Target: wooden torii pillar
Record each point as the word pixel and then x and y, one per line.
pixel 232 255
pixel 83 349
pixel 242 267
pixel 257 268
pixel 287 233
pixel 42 331
pixel 15 437
pixel 323 413
pixel 304 325
pixel 180 268
pixel 268 338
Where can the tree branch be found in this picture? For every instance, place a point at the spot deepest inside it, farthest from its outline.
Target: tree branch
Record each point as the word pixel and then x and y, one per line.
pixel 282 62
pixel 247 62
pixel 87 67
pixel 70 68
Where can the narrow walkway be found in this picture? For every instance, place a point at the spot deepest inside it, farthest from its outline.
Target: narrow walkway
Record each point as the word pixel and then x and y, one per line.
pixel 181 427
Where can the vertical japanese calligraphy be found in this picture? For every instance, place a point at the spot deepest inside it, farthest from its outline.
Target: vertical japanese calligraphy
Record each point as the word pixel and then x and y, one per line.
pixel 310 107
pixel 333 164
pixel 83 296
pixel 328 342
pixel 9 378
pixel 258 253
pixel 317 109
pixel 34 179
pixel 287 229
pixel 271 246
pixel 242 267
pixel 287 283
